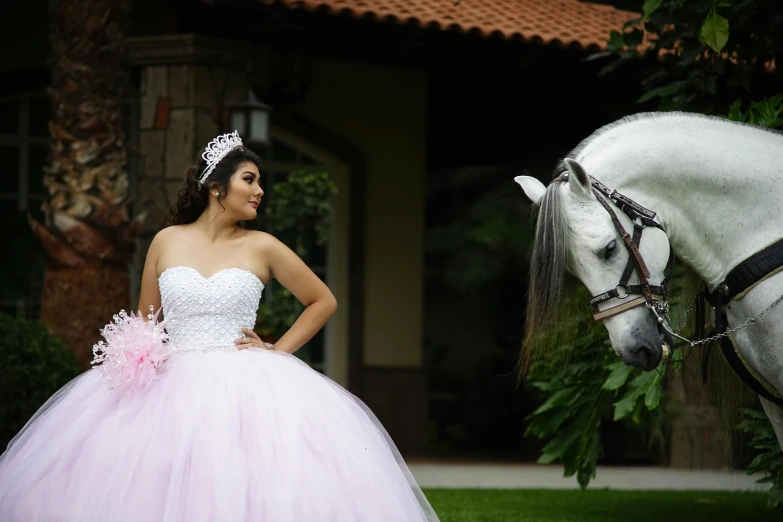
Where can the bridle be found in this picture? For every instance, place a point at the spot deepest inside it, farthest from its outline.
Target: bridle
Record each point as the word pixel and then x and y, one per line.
pixel 655 298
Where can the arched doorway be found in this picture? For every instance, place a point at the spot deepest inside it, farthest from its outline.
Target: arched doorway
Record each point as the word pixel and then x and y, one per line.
pixel 289 152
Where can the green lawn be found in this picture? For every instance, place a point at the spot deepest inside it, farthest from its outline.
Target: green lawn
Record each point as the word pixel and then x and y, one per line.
pixel 518 505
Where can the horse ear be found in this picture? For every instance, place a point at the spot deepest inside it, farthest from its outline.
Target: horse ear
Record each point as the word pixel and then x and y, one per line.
pixel 578 180
pixel 533 188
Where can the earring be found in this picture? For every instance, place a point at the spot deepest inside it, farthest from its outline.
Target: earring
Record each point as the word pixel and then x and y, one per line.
pixel 217 194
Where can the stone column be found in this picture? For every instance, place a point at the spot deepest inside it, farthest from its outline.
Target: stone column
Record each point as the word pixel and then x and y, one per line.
pixel 184 79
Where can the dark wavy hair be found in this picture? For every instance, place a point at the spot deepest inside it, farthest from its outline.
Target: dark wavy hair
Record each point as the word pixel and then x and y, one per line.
pixel 193 198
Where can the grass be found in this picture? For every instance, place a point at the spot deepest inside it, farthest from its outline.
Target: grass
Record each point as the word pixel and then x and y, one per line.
pixel 519 505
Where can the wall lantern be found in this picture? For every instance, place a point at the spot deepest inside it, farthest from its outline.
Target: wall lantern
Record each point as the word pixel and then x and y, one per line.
pixel 250 117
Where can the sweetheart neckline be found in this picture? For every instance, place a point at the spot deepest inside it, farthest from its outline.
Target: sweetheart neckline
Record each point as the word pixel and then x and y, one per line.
pixel 214 274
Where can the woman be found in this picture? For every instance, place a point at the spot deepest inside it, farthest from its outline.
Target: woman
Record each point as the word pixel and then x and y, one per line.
pixel 228 428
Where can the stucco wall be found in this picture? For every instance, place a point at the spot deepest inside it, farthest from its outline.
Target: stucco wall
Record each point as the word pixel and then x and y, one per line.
pixel 382 111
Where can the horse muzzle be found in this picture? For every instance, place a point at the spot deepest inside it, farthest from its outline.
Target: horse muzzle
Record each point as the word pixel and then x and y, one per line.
pixel 644 357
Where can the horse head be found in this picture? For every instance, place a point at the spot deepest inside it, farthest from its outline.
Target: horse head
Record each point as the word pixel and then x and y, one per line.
pixel 575 232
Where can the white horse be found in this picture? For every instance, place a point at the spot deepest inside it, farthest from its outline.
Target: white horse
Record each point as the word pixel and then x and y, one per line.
pixel 716 187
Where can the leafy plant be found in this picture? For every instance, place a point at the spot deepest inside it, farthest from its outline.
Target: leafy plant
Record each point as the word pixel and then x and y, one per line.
pixel 585 384
pixel 767 113
pixel 769 457
pixel 301 209
pixel 483 245
pixel 702 54
pixel 35 365
pixel 477 239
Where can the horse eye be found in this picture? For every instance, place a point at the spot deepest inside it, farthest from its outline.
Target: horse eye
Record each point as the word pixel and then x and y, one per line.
pixel 610 249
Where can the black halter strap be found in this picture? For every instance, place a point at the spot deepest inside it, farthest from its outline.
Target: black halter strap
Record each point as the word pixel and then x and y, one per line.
pixel 629 207
pixel 623 289
pixel 641 217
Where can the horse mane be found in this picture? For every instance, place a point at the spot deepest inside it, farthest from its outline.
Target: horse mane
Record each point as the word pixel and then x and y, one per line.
pixel 649 116
pixel 547 275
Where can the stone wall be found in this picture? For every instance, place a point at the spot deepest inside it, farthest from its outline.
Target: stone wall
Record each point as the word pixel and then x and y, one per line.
pixel 184 79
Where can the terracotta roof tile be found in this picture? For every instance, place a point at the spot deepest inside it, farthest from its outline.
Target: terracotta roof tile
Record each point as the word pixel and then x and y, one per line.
pixel 564 22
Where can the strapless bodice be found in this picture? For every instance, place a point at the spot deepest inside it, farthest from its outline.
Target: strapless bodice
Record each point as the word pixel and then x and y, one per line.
pixel 206 314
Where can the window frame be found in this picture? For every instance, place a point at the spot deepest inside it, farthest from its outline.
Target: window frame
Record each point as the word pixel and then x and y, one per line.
pixel 23 141
pixel 271 172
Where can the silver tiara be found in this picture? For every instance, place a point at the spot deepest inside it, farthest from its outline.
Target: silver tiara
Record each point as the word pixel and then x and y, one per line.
pixel 216 150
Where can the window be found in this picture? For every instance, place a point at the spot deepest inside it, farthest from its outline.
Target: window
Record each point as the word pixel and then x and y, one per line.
pixel 280 160
pixel 24 147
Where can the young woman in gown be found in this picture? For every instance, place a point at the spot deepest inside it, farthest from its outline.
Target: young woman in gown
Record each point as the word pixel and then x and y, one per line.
pixel 230 429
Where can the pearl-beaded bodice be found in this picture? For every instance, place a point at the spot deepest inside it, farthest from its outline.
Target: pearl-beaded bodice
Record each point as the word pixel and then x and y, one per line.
pixel 206 314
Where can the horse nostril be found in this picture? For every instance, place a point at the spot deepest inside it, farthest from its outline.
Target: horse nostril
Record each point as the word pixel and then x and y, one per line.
pixel 649 357
pixel 640 356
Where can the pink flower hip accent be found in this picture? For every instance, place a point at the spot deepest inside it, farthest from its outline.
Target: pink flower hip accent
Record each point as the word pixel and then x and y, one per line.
pixel 133 351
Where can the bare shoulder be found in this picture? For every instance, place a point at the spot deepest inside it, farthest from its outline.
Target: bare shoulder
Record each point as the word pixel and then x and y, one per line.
pixel 263 241
pixel 170 232
pixel 159 245
pixel 167 240
pixel 165 236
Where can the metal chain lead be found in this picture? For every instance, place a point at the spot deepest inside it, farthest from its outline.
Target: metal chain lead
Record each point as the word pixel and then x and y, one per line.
pixel 747 323
pixel 687 313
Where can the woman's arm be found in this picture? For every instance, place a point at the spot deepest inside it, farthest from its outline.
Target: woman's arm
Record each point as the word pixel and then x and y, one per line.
pixel 296 276
pixel 150 293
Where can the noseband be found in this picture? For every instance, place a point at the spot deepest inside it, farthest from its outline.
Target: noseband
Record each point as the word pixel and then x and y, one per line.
pixel 654 297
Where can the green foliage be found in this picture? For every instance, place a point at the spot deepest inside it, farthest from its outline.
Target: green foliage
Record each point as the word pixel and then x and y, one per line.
pixel 485 244
pixel 702 54
pixel 649 7
pixel 476 244
pixel 301 209
pixel 575 405
pixel 767 113
pixel 35 365
pixel 583 385
pixel 769 457
pixel 278 313
pixel 299 215
pixel 714 31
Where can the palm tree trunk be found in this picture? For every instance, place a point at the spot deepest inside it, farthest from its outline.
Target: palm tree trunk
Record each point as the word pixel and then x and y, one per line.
pixel 87 231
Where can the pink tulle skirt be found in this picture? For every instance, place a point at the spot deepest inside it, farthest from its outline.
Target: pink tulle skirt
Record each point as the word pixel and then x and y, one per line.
pixel 253 435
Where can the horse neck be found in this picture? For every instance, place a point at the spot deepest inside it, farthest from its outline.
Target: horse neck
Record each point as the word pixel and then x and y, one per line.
pixel 714 184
